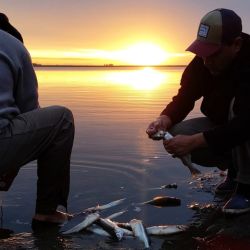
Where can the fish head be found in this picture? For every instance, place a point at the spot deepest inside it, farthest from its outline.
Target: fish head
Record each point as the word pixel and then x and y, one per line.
pixel 158 135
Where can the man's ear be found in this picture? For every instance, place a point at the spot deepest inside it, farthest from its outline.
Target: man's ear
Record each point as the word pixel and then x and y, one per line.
pixel 237 44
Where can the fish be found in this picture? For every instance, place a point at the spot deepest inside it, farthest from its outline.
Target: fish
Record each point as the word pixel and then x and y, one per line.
pixel 125 225
pixel 98 231
pixel 164 201
pixel 158 230
pixel 112 216
pixel 173 185
pixel 105 206
pixel 104 232
pixel 169 186
pixel 88 220
pixel 109 226
pixel 140 232
pixel 186 159
pixel 166 229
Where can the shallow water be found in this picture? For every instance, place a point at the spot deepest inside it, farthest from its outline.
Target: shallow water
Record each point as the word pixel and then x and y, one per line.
pixel 112 157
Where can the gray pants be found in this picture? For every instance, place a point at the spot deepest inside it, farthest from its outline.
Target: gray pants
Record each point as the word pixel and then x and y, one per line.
pixel 45 135
pixel 237 161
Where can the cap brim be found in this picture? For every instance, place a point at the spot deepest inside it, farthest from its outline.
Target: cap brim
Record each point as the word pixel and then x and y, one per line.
pixel 203 49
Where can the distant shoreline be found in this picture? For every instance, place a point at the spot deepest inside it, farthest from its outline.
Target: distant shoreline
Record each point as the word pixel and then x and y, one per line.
pixel 107 66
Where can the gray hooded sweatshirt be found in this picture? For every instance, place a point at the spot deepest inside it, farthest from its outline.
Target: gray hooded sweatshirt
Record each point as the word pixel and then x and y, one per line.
pixel 18 82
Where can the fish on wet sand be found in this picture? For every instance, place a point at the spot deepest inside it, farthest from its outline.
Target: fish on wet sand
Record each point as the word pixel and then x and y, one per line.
pixel 88 220
pixel 99 231
pixel 162 230
pixel 140 232
pixel 186 159
pixel 105 206
pixel 164 201
pixel 167 186
pixel 172 185
pixel 166 229
pixel 114 215
pixel 111 228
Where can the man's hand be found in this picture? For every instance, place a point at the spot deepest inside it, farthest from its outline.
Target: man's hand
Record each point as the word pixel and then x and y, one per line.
pixel 181 145
pixel 163 122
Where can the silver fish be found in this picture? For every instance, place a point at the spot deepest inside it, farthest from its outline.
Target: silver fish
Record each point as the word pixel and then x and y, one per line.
pixel 98 231
pixel 109 232
pixel 105 206
pixel 166 229
pixel 90 218
pixel 112 216
pixel 139 231
pixel 111 228
pixel 186 159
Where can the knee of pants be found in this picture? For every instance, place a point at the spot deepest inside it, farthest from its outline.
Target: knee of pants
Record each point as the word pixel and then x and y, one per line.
pixel 64 112
pixel 192 126
pixel 179 129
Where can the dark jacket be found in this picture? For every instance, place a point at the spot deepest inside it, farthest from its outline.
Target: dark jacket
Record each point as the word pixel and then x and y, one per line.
pixel 217 93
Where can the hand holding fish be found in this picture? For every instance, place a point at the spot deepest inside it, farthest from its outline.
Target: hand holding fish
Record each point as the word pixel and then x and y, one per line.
pixel 163 123
pixel 181 145
pixel 186 159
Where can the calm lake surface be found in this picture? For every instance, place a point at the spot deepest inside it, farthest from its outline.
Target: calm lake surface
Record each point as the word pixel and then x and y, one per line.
pixel 112 157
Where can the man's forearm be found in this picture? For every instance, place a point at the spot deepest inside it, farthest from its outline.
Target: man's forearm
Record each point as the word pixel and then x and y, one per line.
pixel 199 140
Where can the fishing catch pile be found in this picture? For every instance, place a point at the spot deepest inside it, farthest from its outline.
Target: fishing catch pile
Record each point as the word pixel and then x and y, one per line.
pixel 90 220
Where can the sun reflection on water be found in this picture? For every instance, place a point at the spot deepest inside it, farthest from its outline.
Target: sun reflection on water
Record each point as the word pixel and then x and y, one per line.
pixel 144 79
pixel 138 79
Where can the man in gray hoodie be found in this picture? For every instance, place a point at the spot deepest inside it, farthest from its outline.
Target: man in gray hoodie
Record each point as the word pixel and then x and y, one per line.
pixel 28 132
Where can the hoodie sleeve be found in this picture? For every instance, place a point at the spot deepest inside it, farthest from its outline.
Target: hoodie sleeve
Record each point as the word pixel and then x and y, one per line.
pixel 188 93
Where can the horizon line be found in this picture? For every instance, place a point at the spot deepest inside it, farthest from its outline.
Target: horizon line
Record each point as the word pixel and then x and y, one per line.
pixel 105 65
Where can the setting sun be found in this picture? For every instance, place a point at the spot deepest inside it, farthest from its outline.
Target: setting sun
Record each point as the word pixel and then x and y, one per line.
pixel 144 54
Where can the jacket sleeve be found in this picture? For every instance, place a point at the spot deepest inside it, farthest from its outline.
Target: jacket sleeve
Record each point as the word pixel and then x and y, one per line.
pixel 237 130
pixel 188 93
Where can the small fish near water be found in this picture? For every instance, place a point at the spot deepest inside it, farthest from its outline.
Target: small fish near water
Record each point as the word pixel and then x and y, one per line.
pixel 166 230
pixel 164 201
pixel 140 232
pixel 162 230
pixel 84 219
pixel 87 221
pixel 111 228
pixel 186 159
pixel 173 185
pixel 167 186
pixel 105 206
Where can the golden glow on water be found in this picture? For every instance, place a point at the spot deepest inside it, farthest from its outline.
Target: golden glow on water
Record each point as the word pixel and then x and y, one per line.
pixel 109 93
pixel 144 79
pixel 136 79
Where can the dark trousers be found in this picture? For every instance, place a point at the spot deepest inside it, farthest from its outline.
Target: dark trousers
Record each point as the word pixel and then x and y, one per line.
pixel 202 156
pixel 237 160
pixel 45 135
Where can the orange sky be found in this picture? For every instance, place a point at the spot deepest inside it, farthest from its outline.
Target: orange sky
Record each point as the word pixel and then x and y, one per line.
pixel 112 31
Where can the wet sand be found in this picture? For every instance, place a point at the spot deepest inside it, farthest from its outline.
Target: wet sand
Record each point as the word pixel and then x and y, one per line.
pixel 208 228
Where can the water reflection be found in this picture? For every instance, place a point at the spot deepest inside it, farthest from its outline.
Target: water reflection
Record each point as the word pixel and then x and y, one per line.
pixel 143 79
pixel 112 157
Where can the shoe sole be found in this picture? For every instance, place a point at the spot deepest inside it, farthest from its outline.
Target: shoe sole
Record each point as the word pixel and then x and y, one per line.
pixel 235 211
